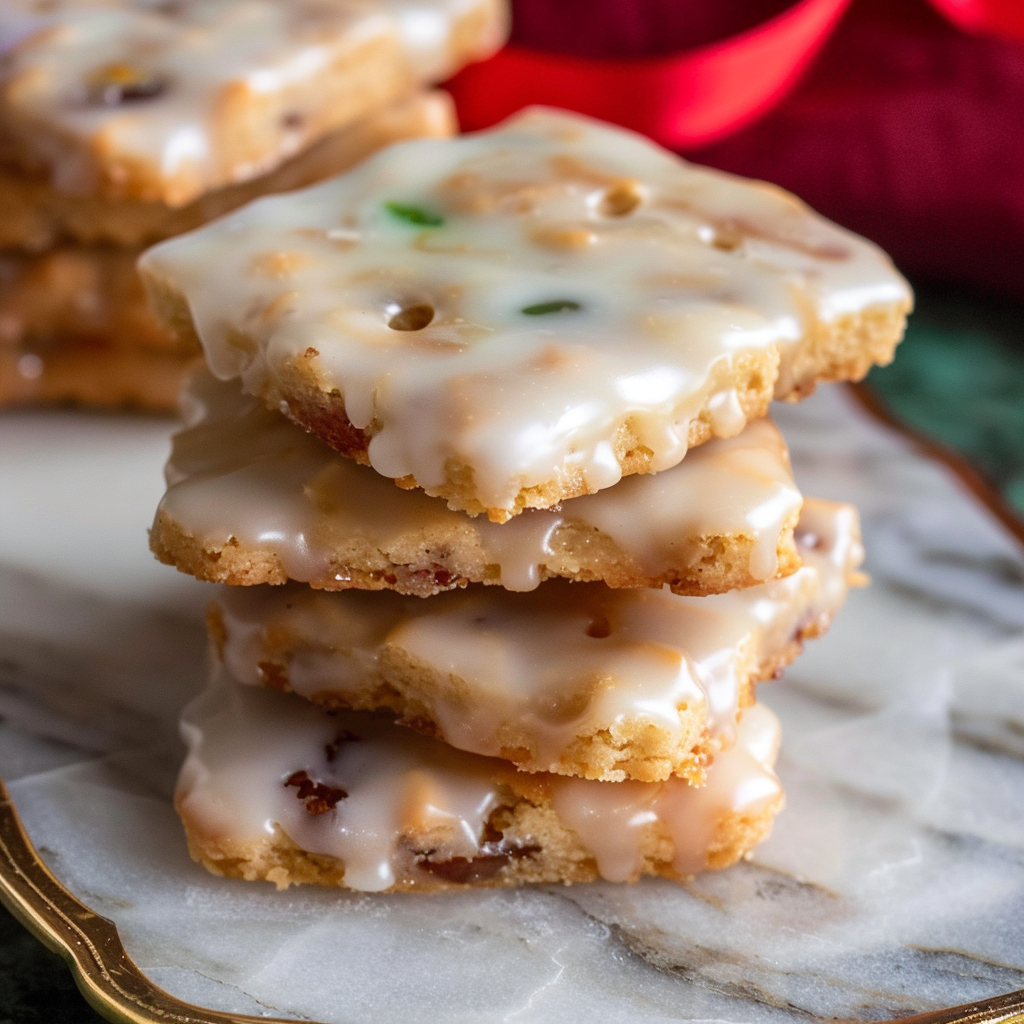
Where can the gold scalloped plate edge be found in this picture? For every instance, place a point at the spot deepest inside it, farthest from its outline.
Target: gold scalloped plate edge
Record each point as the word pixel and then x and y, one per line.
pixel 117 989
pixel 103 971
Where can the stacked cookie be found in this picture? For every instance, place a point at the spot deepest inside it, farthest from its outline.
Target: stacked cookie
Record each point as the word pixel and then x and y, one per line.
pixel 527 330
pixel 125 122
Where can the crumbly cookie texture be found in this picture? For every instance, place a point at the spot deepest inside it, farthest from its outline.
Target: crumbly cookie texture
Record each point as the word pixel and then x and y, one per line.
pixel 575 679
pixel 276 789
pixel 34 214
pixel 116 99
pixel 72 373
pixel 524 315
pixel 254 499
pixel 84 296
pixel 75 324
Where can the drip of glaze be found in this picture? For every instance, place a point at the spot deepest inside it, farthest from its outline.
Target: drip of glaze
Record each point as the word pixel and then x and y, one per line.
pixel 726 412
pixel 665 324
pixel 149 82
pixel 520 546
pixel 535 672
pixel 240 471
pixel 409 797
pixel 611 819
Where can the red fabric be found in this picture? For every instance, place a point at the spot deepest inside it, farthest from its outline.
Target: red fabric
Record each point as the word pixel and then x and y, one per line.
pixel 682 71
pixel 904 129
pixel 681 100
pixel 634 28
pixel 998 17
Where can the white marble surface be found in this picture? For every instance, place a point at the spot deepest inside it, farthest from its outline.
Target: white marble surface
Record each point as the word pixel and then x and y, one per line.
pixel 894 881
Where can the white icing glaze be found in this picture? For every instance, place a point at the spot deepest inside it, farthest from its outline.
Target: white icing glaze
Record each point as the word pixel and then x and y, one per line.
pixel 208 56
pixel 499 670
pixel 406 792
pixel 240 471
pixel 610 818
pixel 701 271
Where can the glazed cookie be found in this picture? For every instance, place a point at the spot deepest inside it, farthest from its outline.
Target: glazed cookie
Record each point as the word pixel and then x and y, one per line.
pixel 76 294
pixel 98 376
pixel 575 679
pixel 254 499
pixel 34 214
pixel 524 315
pixel 75 325
pixel 161 102
pixel 275 789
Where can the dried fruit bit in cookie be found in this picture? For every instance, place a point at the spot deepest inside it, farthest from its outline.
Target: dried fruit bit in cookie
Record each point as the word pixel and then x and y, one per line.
pixel 554 306
pixel 574 678
pixel 422 816
pixel 117 83
pixel 239 465
pixel 318 797
pixel 583 329
pixel 219 93
pixel 414 215
pixel 489 862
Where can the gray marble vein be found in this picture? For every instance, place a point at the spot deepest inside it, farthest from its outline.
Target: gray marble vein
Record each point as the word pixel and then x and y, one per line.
pixel 893 883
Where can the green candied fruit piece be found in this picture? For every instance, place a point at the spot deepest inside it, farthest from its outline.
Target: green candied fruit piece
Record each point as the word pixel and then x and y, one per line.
pixel 554 306
pixel 414 215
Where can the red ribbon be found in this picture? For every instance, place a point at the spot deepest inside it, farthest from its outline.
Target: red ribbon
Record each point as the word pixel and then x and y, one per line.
pixel 691 98
pixel 995 17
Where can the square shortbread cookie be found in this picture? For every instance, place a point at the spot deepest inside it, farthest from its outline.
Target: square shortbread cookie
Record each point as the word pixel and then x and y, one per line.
pixel 161 102
pixel 523 315
pixel 75 324
pixel 252 499
pixel 573 678
pixel 276 789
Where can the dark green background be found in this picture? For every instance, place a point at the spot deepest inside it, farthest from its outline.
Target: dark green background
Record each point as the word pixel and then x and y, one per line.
pixel 959 378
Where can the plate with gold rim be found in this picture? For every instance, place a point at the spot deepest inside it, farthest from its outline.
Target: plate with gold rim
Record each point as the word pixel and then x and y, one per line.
pixel 892 885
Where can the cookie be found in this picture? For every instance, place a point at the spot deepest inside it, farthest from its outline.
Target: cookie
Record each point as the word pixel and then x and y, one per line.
pixel 254 499
pixel 574 678
pixel 273 788
pixel 520 316
pixel 75 324
pixel 75 327
pixel 95 376
pixel 86 295
pixel 163 102
pixel 34 214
